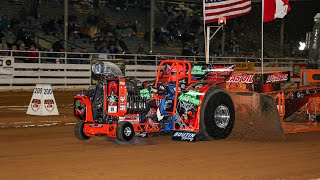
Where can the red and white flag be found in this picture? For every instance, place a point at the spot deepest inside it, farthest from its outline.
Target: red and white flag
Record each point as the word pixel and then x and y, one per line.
pixel 215 9
pixel 275 9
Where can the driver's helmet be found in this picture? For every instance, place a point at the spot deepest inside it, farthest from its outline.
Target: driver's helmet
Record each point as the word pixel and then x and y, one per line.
pixel 177 69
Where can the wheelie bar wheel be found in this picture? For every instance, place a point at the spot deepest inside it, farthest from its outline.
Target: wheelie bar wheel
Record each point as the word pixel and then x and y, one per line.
pixel 78 131
pixel 125 131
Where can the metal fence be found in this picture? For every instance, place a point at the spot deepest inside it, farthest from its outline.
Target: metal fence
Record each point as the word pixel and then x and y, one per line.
pixel 73 69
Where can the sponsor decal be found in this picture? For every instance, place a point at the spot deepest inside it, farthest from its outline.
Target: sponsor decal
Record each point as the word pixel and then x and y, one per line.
pixel 222 69
pixel 49 104
pixel 198 86
pixel 121 118
pixel 190 97
pixel 276 78
pixel 184 136
pixel 145 93
pixel 35 104
pixel 197 70
pixel 122 98
pixel 122 83
pixel 240 78
pixel 297 68
pixel 141 134
pixel 167 69
pixel 77 104
pixel 131 117
pixel 112 109
pixel 112 99
pixel 244 66
pixel 95 125
pixel 8 62
pixel 122 108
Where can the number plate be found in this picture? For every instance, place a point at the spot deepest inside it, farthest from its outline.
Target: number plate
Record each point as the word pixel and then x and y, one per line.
pixel 112 109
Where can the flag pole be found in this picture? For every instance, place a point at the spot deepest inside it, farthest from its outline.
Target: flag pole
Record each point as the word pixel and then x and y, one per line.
pixel 204 31
pixel 262 17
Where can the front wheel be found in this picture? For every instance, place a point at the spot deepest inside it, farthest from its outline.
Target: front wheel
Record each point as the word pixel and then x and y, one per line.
pixel 217 114
pixel 125 131
pixel 78 131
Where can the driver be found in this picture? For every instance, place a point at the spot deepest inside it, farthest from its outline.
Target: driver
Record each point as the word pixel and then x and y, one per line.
pixel 168 90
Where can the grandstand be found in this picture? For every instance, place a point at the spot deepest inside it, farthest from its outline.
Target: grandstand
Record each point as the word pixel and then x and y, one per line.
pixel 178 27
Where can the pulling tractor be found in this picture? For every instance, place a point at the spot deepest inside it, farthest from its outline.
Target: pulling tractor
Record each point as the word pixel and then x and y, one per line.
pixel 196 102
pixel 188 100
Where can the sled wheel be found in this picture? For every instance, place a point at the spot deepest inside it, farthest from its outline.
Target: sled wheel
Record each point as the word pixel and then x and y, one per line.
pixel 125 131
pixel 217 115
pixel 78 131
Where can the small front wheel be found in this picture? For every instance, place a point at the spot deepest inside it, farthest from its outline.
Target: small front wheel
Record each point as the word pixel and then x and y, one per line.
pixel 78 131
pixel 125 131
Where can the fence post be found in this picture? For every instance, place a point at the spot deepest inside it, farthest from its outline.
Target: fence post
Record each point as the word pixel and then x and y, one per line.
pixel 39 55
pixel 65 57
pixel 136 60
pixel 65 62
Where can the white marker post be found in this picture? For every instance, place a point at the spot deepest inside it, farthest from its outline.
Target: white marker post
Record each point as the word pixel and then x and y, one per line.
pixel 42 102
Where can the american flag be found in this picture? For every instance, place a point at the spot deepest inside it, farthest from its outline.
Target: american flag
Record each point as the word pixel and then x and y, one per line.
pixel 215 9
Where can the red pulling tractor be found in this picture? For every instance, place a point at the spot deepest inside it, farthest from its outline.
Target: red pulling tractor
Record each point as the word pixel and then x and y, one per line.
pixel 187 100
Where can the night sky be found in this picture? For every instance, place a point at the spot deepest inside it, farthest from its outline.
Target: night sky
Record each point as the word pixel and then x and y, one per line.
pixel 298 21
pixel 300 18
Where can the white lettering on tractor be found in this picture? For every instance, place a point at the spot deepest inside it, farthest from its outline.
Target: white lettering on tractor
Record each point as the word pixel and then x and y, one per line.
pixel 241 78
pixel 185 136
pixel 277 78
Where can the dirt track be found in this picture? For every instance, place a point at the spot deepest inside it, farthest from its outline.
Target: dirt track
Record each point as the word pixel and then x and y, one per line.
pixel 54 153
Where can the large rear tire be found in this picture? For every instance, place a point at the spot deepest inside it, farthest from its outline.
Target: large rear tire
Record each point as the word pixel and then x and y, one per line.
pixel 125 131
pixel 217 115
pixel 78 131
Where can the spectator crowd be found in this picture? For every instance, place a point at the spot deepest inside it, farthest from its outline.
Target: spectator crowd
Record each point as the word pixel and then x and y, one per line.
pixel 182 27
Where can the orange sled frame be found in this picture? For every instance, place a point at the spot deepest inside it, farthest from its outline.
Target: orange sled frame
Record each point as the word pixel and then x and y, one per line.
pixel 304 97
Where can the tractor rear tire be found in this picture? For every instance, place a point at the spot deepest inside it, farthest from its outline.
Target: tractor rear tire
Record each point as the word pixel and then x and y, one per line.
pixel 217 115
pixel 78 131
pixel 125 131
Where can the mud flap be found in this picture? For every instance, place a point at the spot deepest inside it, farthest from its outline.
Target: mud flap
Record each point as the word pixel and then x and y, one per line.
pixel 257 117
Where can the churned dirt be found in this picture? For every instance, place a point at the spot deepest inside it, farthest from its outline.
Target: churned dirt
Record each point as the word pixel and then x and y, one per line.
pixel 257 118
pixel 54 153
